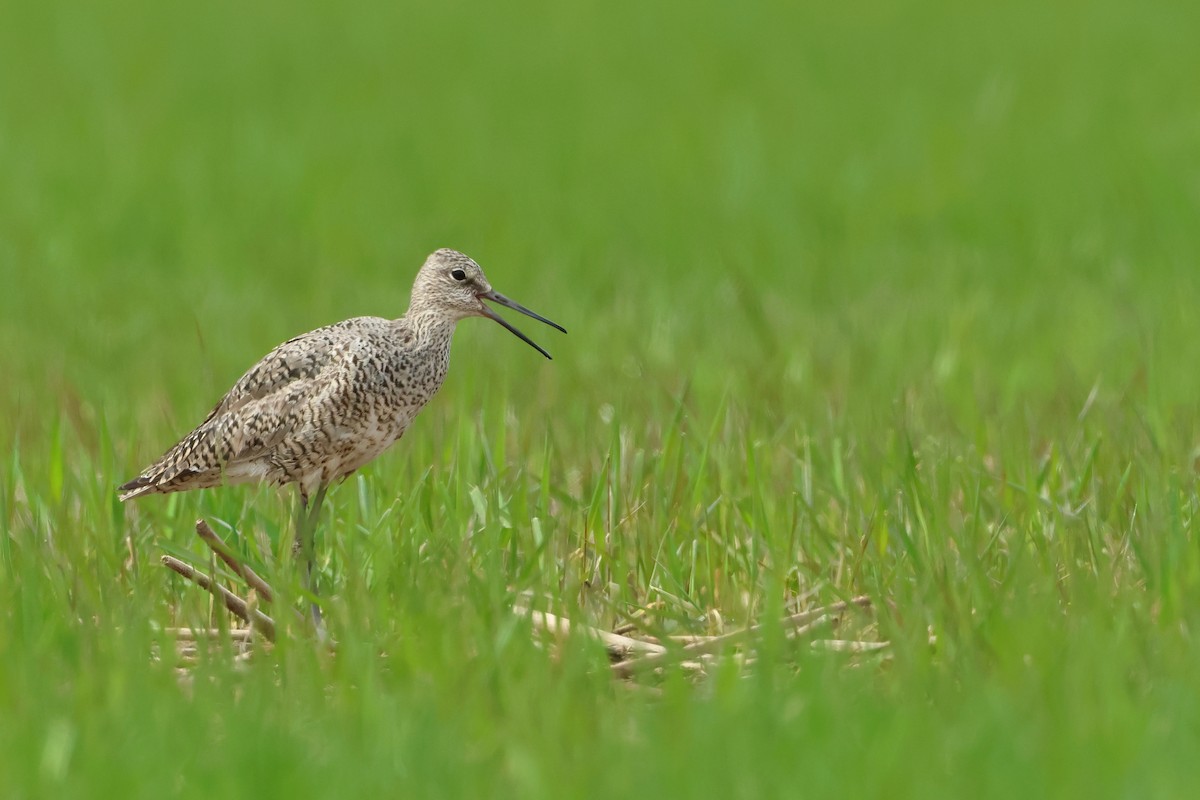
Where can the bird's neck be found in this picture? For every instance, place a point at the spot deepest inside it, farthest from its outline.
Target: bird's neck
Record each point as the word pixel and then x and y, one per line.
pixel 431 328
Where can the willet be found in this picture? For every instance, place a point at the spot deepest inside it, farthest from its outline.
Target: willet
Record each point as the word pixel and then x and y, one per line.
pixel 323 404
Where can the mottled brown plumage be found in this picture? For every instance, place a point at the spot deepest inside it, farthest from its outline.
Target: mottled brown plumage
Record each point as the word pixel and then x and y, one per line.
pixel 323 404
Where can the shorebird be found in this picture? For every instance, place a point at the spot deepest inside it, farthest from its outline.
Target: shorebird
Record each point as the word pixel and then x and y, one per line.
pixel 323 404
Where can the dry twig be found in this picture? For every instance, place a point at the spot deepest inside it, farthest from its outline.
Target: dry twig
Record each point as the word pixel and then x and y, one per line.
pixel 845 646
pixel 797 624
pixel 224 552
pixel 618 646
pixel 236 605
pixel 198 634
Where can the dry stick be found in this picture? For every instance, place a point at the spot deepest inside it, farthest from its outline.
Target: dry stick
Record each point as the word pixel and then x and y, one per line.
pixel 199 634
pixel 223 551
pixel 218 546
pixel 617 645
pixel 633 666
pixel 848 646
pixel 800 618
pixel 801 623
pixel 236 605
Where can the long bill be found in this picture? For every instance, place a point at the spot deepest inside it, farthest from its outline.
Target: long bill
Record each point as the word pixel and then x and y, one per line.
pixel 496 297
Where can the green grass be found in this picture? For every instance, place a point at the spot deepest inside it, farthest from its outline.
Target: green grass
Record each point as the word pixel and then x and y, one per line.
pixel 882 298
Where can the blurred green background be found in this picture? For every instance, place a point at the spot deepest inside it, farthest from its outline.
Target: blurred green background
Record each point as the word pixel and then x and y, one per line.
pixel 762 190
pixel 881 297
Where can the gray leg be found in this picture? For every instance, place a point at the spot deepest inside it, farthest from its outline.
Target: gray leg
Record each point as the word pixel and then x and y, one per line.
pixel 305 547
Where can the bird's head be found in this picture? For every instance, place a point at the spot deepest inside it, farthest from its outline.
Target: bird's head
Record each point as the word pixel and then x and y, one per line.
pixel 452 285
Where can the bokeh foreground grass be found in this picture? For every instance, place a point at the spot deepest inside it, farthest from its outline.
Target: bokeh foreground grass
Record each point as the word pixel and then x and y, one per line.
pixel 894 299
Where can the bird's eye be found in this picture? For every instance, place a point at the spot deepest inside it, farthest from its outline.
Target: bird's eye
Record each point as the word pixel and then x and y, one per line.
pixel 458 275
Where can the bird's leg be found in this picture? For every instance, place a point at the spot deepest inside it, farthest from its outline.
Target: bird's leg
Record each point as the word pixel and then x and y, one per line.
pixel 305 546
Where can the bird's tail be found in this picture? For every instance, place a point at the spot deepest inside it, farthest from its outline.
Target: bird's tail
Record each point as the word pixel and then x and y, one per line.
pixel 142 484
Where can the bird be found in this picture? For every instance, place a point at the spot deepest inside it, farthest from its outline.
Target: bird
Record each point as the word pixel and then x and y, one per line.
pixel 325 403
